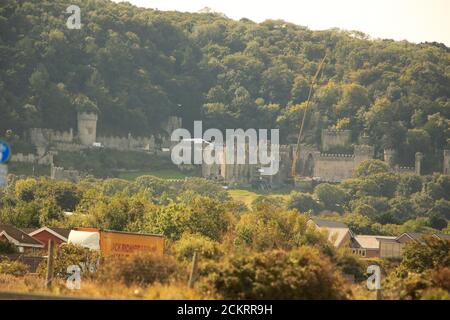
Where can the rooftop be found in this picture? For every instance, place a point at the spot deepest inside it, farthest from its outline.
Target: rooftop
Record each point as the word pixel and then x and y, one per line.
pixel 18 236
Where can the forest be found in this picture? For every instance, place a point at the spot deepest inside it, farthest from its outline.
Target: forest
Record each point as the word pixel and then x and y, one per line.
pixel 136 66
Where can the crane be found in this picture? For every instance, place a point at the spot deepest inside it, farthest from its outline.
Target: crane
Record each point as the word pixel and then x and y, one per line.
pixel 310 94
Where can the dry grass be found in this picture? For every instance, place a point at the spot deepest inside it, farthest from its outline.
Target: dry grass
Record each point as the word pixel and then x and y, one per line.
pixel 93 289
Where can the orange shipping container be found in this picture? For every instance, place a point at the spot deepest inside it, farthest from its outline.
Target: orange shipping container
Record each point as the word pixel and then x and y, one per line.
pixel 117 243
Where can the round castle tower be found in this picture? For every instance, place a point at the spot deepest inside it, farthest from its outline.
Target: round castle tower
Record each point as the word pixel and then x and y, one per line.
pixel 87 128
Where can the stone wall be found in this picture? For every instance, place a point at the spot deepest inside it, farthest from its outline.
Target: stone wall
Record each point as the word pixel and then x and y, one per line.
pixel 248 173
pixel 43 137
pixel 59 173
pixel 334 167
pixel 128 143
pixel 32 158
pixel 332 138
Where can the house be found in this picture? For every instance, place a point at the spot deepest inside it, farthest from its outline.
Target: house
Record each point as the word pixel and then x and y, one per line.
pixel 393 248
pixel 338 233
pixel 44 234
pixel 442 236
pixel 23 242
pixel 368 246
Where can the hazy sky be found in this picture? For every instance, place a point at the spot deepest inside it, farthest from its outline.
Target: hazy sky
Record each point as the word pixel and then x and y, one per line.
pixel 413 20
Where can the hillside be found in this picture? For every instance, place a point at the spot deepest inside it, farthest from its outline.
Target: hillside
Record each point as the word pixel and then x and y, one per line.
pixel 137 66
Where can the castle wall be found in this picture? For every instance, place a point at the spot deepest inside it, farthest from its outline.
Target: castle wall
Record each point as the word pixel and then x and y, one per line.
pixel 32 158
pixel 248 173
pixel 42 137
pixel 332 138
pixel 128 143
pixel 334 167
pixel 59 173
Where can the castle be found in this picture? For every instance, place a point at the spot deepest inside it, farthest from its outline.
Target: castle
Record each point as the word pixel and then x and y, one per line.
pixel 49 142
pixel 335 160
pixel 323 164
pixel 87 136
pixel 312 162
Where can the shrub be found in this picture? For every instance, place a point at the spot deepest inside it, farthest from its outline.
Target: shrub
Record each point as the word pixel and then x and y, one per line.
pixel 141 269
pixel 70 254
pixel 7 247
pixel 430 253
pixel 303 202
pixel 303 273
pixel 14 268
pixel 185 247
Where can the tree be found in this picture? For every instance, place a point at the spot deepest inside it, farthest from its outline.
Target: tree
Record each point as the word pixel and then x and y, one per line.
pixel 371 167
pixel 429 253
pixel 332 197
pixel 299 274
pixel 303 202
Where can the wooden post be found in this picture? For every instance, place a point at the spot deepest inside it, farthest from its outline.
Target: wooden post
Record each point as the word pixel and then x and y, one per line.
pixel 50 266
pixel 379 295
pixel 193 275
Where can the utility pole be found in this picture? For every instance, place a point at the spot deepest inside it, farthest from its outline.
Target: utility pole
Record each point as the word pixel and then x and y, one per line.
pixel 193 275
pixel 50 263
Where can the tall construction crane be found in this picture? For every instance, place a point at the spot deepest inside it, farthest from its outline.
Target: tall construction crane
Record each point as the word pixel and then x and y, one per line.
pixel 299 138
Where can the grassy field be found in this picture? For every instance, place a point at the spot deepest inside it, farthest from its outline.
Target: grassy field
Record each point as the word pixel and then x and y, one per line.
pixel 248 196
pixel 163 174
pixel 28 169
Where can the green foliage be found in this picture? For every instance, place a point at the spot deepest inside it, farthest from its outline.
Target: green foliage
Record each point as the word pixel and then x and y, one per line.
pixel 269 227
pixel 189 243
pixel 69 254
pixel 303 202
pixel 7 247
pixel 371 167
pixel 332 197
pixel 14 268
pixel 430 253
pixel 138 269
pixel 135 66
pixel 303 273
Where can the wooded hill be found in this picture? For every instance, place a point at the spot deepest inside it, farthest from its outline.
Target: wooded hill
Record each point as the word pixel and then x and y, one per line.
pixel 136 66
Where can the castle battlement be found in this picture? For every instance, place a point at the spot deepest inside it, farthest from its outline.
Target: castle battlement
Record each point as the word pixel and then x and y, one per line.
pixel 335 156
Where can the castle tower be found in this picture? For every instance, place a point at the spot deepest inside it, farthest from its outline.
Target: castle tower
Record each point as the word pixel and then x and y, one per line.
pixel 362 153
pixel 332 138
pixel 446 162
pixel 87 128
pixel 418 166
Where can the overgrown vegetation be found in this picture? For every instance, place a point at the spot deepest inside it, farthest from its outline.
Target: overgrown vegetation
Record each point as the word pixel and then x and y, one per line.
pixel 136 66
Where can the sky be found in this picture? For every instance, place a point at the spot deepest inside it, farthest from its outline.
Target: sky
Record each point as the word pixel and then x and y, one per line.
pixel 412 20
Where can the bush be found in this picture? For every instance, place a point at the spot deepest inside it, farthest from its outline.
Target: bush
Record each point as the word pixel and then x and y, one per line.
pixel 303 273
pixel 70 254
pixel 14 268
pixel 430 253
pixel 185 247
pixel 139 269
pixel 303 202
pixel 332 197
pixel 7 247
pixel 429 285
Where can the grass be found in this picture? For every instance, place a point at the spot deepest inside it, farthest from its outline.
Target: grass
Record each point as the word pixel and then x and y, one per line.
pixel 247 196
pixel 26 169
pixel 163 174
pixel 93 289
